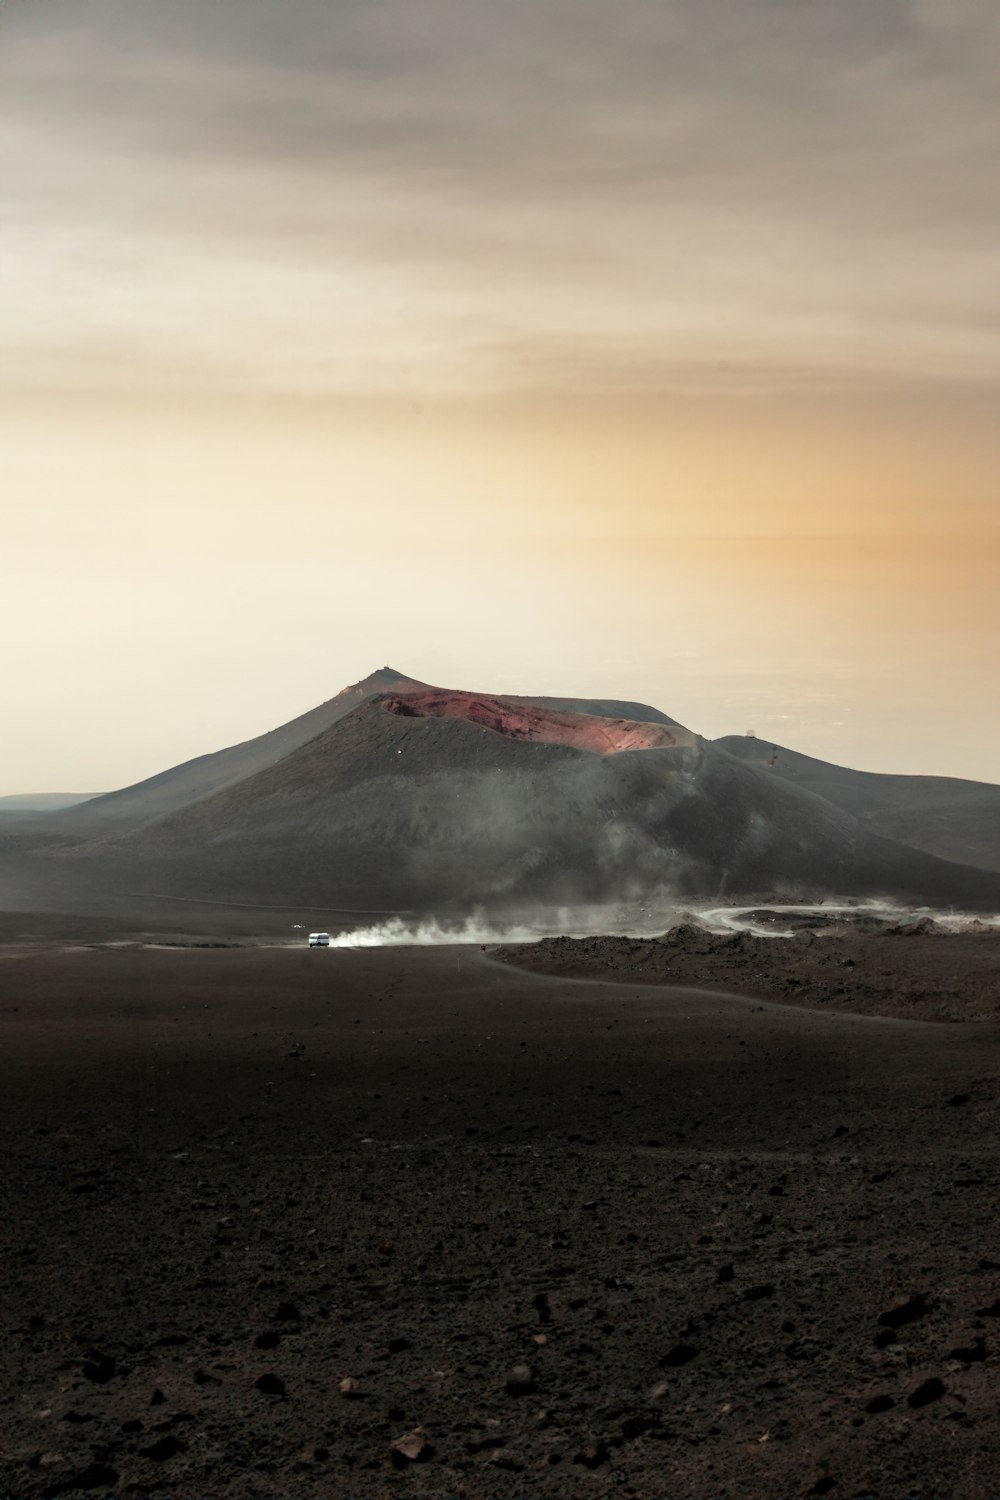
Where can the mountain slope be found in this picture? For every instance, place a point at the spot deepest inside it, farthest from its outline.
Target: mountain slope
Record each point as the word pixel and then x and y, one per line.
pixel 31 804
pixel 954 819
pixel 181 785
pixel 398 809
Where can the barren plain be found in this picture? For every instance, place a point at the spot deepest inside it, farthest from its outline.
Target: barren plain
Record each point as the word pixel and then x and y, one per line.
pixel 418 1222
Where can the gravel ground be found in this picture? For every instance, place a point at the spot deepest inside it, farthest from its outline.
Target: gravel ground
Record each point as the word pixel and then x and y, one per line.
pixel 413 1222
pixel 906 970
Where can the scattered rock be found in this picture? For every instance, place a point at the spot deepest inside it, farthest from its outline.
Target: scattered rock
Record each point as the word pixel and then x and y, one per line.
pixel 634 1427
pixel 680 1354
pixel 502 1458
pixel 520 1380
pixel 824 1484
pixel 593 1455
pixel 412 1447
pixel 904 1312
pixel 970 1355
pixel 931 1390
pixel 48 1461
pixel 271 1385
pixel 880 1403
pixel 174 1421
pixel 164 1448
pixel 485 1445
pixel 100 1369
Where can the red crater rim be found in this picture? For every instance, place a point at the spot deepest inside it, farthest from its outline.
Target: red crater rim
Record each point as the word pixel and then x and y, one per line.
pixel 517 721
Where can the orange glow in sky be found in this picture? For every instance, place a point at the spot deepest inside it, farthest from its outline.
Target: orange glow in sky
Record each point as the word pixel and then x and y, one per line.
pixel 643 351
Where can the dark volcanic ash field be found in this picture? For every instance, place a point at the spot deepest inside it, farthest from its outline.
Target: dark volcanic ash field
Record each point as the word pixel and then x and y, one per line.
pixel 415 1222
pixel 909 970
pixel 707 1213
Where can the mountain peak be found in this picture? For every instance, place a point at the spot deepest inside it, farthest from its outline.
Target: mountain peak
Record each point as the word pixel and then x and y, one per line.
pixel 384 680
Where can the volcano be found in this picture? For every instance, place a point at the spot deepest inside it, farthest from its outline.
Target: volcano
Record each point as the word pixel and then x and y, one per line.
pixel 519 720
pixel 194 780
pixel 408 796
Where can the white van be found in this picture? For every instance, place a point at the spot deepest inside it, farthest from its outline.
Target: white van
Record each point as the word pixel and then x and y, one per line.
pixel 319 940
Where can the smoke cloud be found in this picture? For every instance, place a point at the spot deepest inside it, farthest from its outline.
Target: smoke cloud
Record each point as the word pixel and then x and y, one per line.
pixel 479 927
pixel 735 919
pixel 647 921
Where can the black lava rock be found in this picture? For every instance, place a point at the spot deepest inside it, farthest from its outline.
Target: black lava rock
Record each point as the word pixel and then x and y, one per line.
pixel 164 1448
pixel 906 1312
pixel 271 1385
pixel 680 1354
pixel 931 1390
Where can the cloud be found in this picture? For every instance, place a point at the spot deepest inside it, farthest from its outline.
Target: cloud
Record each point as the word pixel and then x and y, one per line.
pixel 444 194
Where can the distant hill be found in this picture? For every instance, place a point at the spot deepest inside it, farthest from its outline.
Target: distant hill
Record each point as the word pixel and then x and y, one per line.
pixel 413 801
pixel 942 815
pixel 23 805
pixel 42 801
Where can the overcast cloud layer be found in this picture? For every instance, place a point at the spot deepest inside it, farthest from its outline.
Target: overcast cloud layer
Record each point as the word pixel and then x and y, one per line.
pixel 637 348
pixel 437 195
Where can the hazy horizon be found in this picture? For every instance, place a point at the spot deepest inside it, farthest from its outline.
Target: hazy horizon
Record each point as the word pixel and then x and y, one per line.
pixel 642 351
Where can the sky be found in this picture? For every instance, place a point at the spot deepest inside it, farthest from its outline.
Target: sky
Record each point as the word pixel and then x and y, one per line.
pixel 644 349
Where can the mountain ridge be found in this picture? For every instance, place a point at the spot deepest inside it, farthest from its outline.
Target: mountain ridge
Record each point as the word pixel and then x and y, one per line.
pixel 204 775
pixel 948 816
pixel 420 812
pixel 397 793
